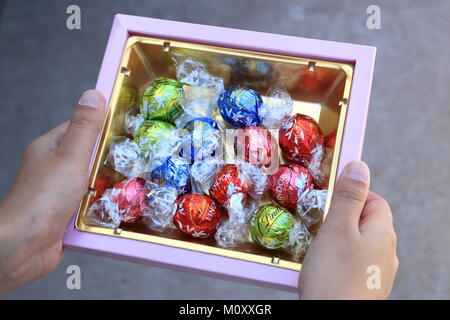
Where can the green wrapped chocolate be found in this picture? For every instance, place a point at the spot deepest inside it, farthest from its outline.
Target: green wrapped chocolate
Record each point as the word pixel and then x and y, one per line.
pixel 162 100
pixel 271 226
pixel 153 134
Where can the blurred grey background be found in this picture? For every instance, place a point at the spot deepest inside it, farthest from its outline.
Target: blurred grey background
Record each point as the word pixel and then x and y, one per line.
pixel 45 67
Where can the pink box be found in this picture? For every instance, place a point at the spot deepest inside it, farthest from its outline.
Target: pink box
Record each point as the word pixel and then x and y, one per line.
pixel 182 259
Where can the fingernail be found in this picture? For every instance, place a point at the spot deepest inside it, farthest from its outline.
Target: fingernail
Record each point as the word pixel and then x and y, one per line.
pixel 90 98
pixel 357 170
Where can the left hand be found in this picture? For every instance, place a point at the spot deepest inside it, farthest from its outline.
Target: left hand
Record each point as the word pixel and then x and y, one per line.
pixel 47 191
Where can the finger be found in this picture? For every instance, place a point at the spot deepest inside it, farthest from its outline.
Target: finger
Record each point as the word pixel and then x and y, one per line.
pixel 377 215
pixel 349 197
pixel 84 127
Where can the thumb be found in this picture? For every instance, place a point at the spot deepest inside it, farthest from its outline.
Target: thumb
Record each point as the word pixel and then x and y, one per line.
pixel 84 127
pixel 349 196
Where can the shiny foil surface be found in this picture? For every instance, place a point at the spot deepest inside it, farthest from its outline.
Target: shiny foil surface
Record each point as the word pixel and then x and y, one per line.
pixel 174 173
pixel 162 100
pixel 239 106
pixel 129 195
pixel 271 226
pixel 226 183
pixel 288 185
pixel 299 136
pixel 200 139
pixel 197 215
pixel 152 133
pixel 254 145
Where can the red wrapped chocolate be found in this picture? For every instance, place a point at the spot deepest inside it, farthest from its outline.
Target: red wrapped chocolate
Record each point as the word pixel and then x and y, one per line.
pixel 128 195
pixel 197 215
pixel 300 137
pixel 226 183
pixel 254 145
pixel 288 185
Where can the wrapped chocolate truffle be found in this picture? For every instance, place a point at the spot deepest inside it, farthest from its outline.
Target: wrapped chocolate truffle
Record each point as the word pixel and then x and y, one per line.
pixel 122 203
pixel 173 173
pixel 200 139
pixel 273 227
pixel 300 136
pixel 227 182
pixel 162 100
pixel 197 215
pixel 256 146
pixel 289 184
pixel 301 141
pixel 239 106
pixel 157 140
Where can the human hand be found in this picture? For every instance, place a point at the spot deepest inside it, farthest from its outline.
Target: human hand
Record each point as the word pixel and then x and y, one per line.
pixel 356 238
pixel 48 189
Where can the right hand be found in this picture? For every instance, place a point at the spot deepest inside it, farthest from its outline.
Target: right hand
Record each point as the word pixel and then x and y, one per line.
pixel 356 238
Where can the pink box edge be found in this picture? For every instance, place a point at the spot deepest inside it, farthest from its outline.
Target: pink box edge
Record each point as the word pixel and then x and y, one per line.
pixel 179 259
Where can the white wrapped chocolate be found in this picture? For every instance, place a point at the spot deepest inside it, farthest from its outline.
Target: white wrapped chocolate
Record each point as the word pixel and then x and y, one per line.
pixel 157 209
pixel 125 157
pixel 277 104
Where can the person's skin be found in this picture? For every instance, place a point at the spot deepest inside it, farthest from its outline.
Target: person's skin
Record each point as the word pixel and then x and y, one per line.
pixel 356 234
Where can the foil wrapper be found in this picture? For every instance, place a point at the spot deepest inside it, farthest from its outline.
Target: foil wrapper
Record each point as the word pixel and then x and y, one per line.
pixel 173 173
pixel 162 100
pixel 289 184
pixel 157 140
pixel 255 145
pixel 301 141
pixel 274 227
pixel 119 204
pixel 197 215
pixel 226 183
pixel 201 138
pixel 271 226
pixel 239 106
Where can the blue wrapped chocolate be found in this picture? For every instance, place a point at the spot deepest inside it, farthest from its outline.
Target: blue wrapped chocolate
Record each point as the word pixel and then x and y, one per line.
pixel 239 106
pixel 174 172
pixel 201 138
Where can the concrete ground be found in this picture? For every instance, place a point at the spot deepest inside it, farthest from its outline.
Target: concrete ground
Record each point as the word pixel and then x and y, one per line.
pixel 45 67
